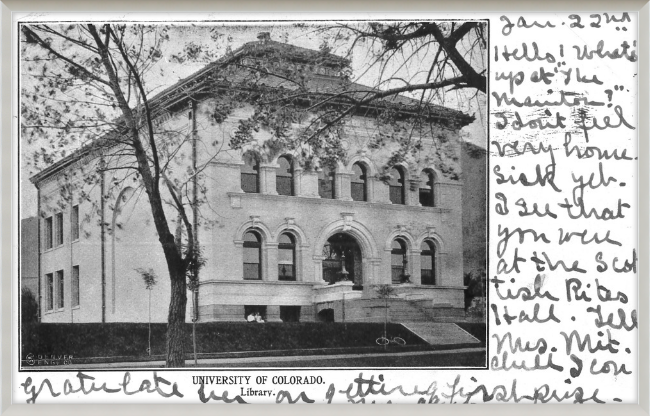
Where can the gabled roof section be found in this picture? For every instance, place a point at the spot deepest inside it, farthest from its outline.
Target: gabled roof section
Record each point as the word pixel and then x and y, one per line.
pixel 324 83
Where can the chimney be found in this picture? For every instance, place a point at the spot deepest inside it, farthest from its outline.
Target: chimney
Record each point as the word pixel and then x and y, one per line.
pixel 264 37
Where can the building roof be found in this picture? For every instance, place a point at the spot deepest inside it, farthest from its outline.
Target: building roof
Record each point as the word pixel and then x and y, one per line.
pixel 209 77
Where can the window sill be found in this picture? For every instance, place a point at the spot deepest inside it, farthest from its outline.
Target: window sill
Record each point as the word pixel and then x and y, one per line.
pixel 237 197
pixel 257 282
pixel 47 250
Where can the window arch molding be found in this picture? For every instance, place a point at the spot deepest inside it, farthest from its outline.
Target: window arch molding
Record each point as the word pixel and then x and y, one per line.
pixel 359 183
pixel 254 224
pixel 436 241
pixel 292 228
pixel 429 264
pixel 329 186
pixel 364 238
pixel 427 188
pixel 252 256
pixel 404 235
pixel 287 258
pixel 250 172
pixel 436 176
pixel 431 236
pixel 355 229
pixel 301 244
pixel 403 174
pixel 411 250
pixel 285 176
pixel 371 169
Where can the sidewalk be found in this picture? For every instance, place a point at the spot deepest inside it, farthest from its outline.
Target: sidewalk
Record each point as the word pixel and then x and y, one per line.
pixel 256 361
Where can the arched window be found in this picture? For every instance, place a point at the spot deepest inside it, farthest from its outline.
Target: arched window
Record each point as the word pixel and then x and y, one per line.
pixel 428 263
pixel 326 183
pixel 358 183
pixel 284 176
pixel 396 185
pixel 286 257
pixel 398 262
pixel 252 256
pixel 250 173
pixel 426 189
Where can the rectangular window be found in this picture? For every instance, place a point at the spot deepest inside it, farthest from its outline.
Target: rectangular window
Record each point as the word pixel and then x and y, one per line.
pixel 427 267
pixel 74 223
pixel 286 269
pixel 290 313
pixel 358 191
pixel 249 183
pixel 396 195
pixel 58 229
pixel 75 286
pixel 252 263
pixel 252 271
pixel 397 267
pixel 283 185
pixel 326 188
pixel 251 311
pixel 49 285
pixel 326 181
pixel 286 272
pixel 60 294
pixel 427 277
pixel 426 197
pixel 48 233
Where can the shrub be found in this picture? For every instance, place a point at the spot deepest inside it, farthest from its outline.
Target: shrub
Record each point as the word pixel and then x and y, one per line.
pixel 28 307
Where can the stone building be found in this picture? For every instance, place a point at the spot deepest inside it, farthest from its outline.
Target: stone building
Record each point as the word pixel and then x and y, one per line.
pixel 29 254
pixel 292 242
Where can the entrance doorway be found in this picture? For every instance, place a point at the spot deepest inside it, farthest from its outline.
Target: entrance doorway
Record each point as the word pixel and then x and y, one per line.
pixel 343 260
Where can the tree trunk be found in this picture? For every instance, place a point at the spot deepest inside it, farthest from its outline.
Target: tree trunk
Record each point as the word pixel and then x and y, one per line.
pixel 176 320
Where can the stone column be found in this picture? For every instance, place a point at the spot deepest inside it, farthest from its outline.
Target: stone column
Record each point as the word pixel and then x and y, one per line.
pixel 298 175
pixel 309 184
pixel 229 174
pixel 318 269
pixel 441 265
pixel 415 265
pixel 232 268
pixel 342 186
pixel 413 192
pixel 267 179
pixel 381 192
pixel 271 262
pixel 307 313
pixel 273 313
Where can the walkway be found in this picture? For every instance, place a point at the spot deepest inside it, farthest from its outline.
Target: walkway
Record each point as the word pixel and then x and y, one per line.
pixel 253 361
pixel 440 333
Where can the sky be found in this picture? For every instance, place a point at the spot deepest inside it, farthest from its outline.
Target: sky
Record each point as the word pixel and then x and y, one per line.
pixel 215 39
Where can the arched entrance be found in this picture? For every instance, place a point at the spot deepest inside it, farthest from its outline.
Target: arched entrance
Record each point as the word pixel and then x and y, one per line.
pixel 342 260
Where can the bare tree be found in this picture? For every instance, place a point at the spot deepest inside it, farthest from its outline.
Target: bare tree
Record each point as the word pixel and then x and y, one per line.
pixel 92 83
pixel 407 72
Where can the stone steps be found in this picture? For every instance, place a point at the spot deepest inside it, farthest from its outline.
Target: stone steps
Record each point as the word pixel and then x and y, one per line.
pixel 399 310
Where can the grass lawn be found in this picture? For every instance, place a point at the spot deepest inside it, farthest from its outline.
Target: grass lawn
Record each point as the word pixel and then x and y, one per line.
pixel 131 339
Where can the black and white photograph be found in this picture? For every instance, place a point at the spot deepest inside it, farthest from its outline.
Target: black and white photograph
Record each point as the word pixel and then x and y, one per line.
pixel 244 194
pixel 329 207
